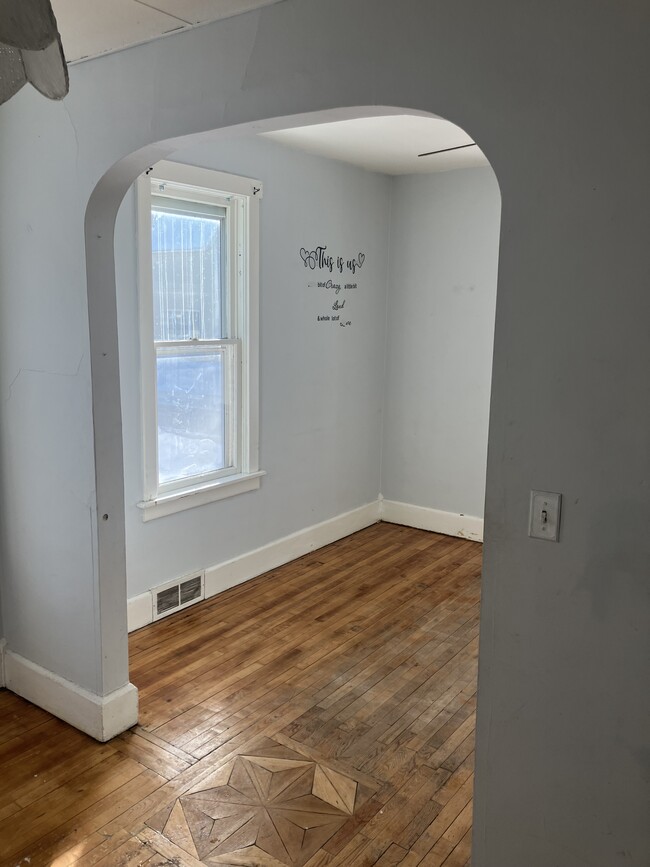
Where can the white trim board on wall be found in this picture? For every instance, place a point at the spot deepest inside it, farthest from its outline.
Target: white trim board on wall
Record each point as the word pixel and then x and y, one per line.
pixel 434 520
pixel 222 576
pixel 101 717
pixel 236 571
pixel 3 645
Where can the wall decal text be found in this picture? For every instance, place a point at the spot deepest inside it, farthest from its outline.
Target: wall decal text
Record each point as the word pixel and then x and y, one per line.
pixel 319 259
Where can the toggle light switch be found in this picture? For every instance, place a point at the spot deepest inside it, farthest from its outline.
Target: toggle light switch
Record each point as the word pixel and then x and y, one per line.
pixel 545 515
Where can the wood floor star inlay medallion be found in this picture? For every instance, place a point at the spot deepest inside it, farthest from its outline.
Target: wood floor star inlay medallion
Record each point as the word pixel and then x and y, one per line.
pixel 261 810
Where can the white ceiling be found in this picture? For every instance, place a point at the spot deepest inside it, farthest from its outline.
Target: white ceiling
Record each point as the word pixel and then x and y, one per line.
pixel 389 144
pixel 89 28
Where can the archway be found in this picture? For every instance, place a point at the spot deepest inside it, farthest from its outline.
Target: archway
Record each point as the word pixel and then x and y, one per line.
pixel 100 218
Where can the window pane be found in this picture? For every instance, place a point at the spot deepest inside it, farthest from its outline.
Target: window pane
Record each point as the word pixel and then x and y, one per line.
pixel 191 418
pixel 187 266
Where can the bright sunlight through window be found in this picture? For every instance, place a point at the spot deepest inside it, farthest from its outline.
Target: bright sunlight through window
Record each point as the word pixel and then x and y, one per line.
pixel 198 269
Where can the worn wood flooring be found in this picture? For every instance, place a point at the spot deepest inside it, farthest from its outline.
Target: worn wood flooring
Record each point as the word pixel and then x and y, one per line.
pixel 321 715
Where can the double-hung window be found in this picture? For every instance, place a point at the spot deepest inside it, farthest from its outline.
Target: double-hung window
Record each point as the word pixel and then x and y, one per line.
pixel 198 272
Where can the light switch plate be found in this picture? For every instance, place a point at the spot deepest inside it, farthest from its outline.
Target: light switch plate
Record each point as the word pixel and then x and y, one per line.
pixel 545 509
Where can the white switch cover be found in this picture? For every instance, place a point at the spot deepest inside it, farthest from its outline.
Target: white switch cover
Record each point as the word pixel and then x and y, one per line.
pixel 545 515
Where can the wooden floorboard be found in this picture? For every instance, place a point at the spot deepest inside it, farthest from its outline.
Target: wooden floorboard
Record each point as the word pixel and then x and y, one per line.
pixel 316 716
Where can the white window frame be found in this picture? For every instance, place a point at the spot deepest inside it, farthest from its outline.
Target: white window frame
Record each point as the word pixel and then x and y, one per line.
pixel 240 197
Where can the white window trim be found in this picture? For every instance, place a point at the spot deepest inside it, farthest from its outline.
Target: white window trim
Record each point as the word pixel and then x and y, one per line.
pixel 158 503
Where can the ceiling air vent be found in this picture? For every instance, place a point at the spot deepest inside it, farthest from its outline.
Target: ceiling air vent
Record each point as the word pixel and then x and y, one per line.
pixel 176 595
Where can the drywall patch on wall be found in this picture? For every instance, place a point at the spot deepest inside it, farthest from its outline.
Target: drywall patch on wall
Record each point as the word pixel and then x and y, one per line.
pixel 434 520
pixel 101 717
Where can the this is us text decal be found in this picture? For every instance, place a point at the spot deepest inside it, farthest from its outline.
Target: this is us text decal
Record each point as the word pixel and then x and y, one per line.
pixel 338 289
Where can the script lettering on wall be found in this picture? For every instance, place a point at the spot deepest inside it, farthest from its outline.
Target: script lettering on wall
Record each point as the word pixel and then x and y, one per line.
pixel 337 292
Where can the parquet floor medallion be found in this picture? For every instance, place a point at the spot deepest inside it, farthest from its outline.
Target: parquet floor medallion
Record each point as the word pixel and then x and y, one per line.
pixel 277 808
pixel 263 739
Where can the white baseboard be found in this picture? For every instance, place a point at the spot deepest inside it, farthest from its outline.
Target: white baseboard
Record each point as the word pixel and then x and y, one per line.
pixel 3 645
pixel 101 717
pixel 449 523
pixel 240 569
pixel 225 575
pixel 139 611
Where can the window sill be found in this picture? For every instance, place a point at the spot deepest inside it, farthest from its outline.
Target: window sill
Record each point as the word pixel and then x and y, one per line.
pixel 188 498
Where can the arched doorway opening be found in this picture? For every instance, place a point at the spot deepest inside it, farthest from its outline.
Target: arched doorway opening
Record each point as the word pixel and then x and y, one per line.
pixel 222 146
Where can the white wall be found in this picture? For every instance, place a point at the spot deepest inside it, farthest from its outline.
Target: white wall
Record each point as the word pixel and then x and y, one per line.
pixel 328 445
pixel 321 384
pixel 46 455
pixel 443 275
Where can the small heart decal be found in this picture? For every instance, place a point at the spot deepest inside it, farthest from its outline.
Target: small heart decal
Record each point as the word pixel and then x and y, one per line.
pixel 361 259
pixel 304 254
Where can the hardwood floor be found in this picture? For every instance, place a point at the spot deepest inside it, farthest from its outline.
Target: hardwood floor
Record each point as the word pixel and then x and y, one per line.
pixel 321 715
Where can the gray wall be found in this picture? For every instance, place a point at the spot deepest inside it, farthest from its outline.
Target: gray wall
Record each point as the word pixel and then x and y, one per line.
pixel 323 439
pixel 320 385
pixel 555 94
pixel 47 509
pixel 443 275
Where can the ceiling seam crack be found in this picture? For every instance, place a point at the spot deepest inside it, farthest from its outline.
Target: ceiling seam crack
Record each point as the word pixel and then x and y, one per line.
pixel 164 12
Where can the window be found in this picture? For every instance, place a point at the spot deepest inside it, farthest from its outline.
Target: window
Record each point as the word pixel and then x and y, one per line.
pixel 198 262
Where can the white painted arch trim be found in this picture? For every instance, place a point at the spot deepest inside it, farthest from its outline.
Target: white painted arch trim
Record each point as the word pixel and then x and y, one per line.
pixel 222 576
pixel 101 717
